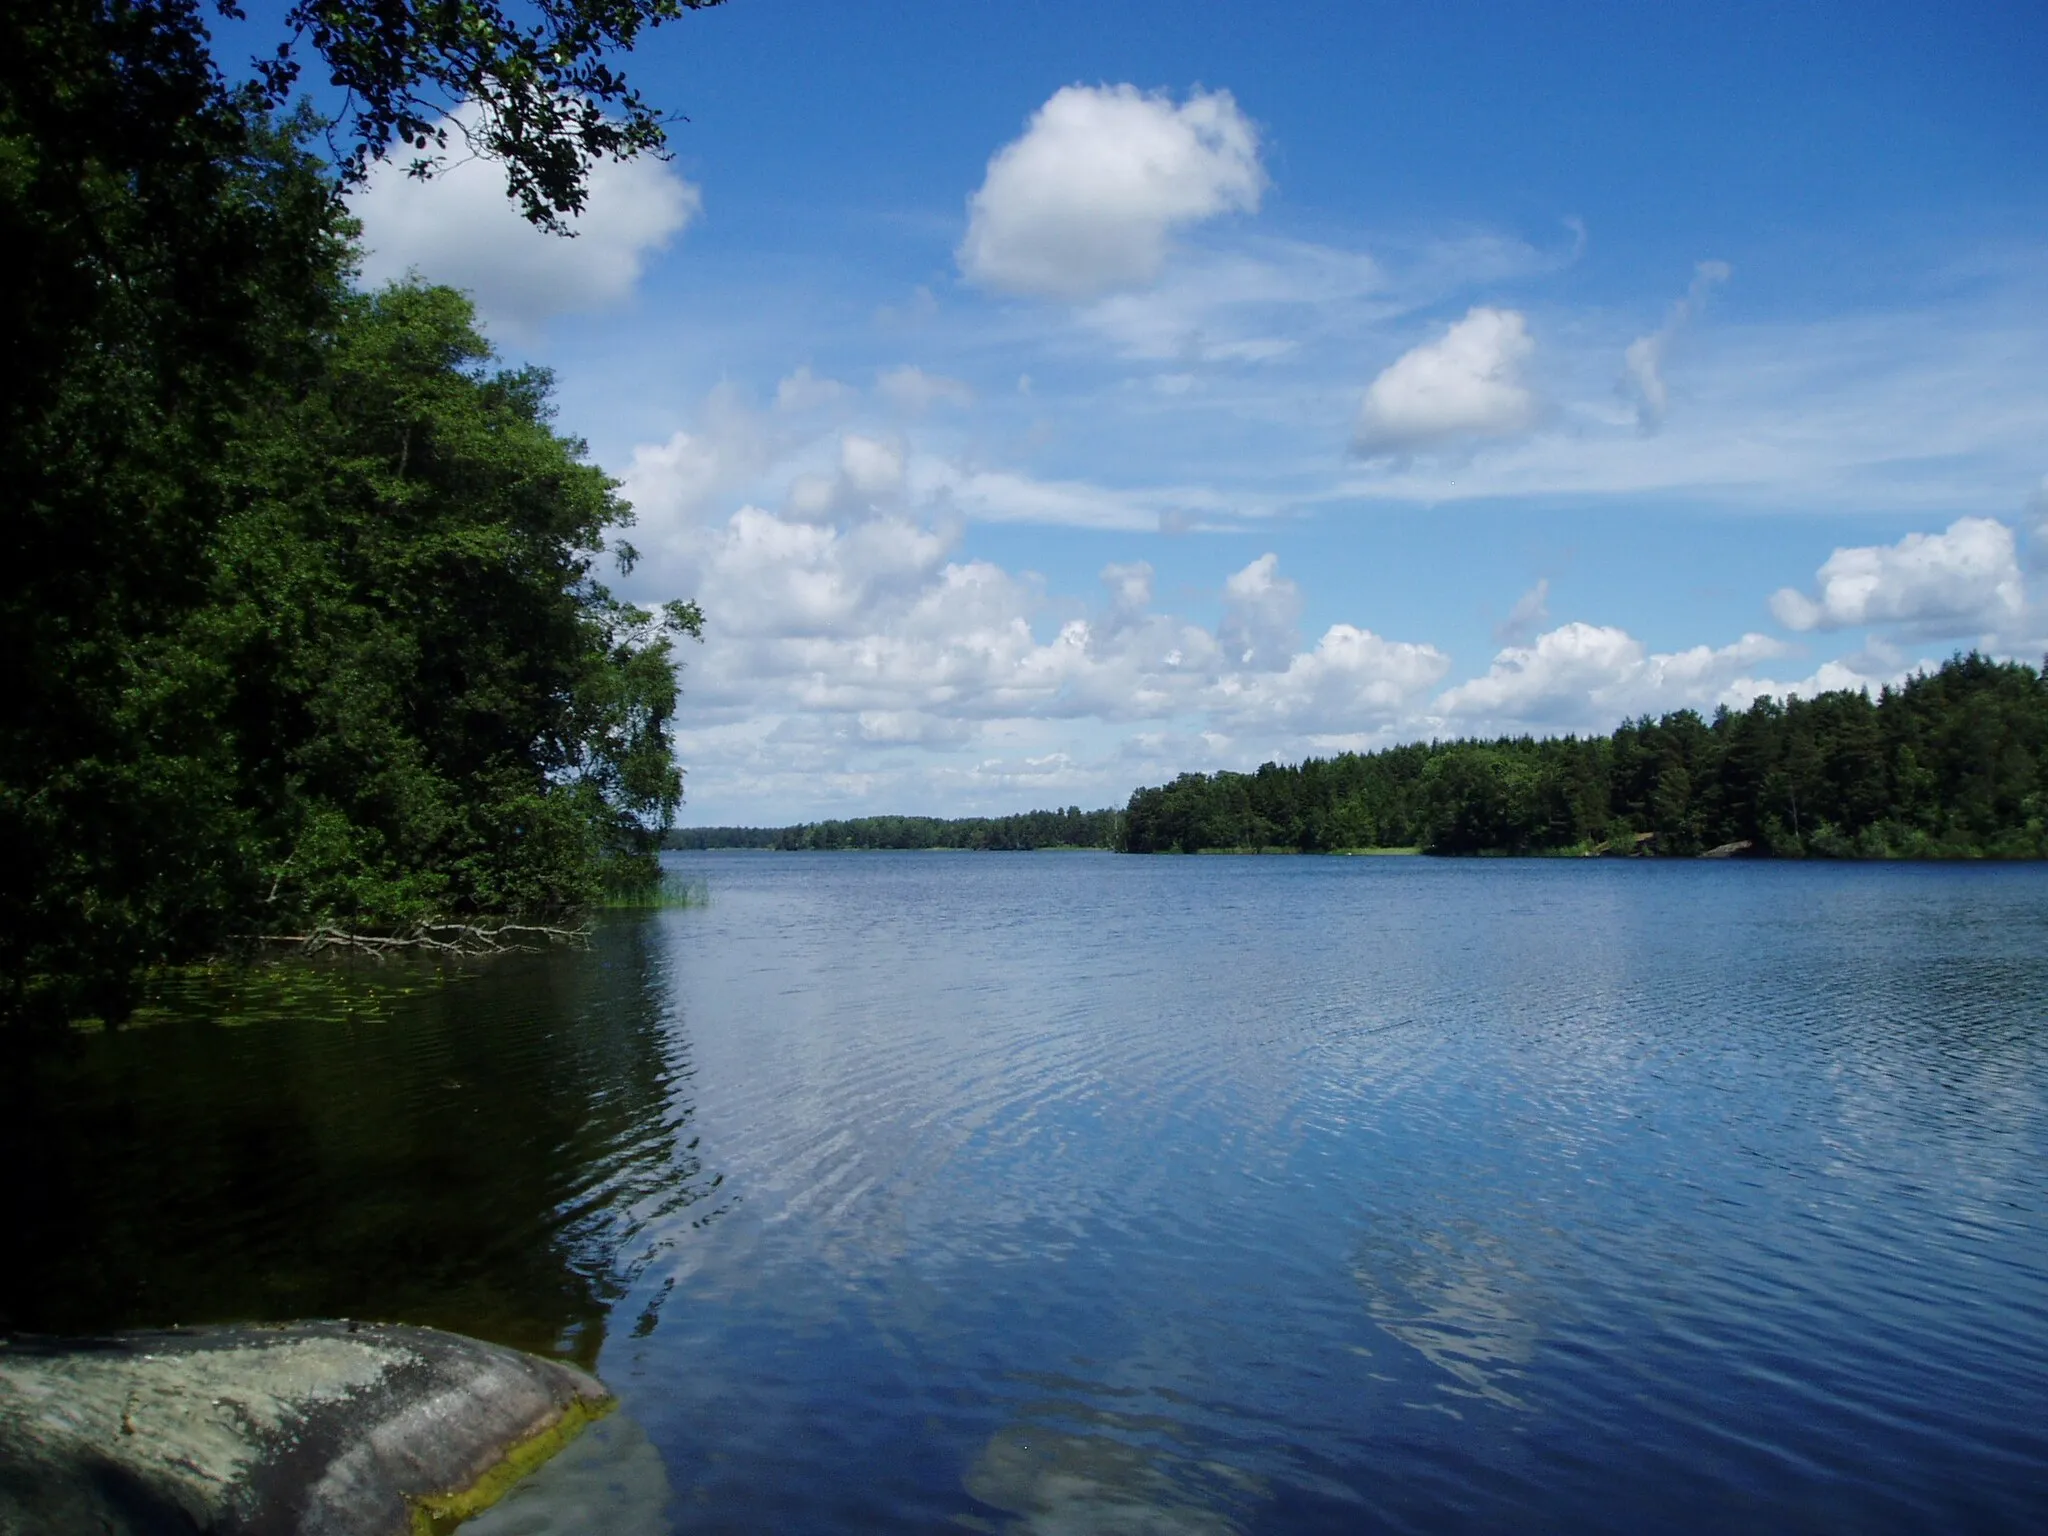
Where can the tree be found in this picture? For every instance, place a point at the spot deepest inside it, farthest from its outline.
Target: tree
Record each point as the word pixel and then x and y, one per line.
pixel 438 707
pixel 174 260
pixel 1951 764
pixel 546 100
pixel 178 271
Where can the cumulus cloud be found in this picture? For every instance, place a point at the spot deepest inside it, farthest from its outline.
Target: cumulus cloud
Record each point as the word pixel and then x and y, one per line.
pixel 669 483
pixel 459 227
pixel 1644 360
pixel 1354 683
pixel 870 477
pixel 1466 384
pixel 805 391
pixel 779 578
pixel 1588 676
pixel 1928 583
pixel 874 469
pixel 1261 615
pixel 1088 199
pixel 869 633
pixel 1130 588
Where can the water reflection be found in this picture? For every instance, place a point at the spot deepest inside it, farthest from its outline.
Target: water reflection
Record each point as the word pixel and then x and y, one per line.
pixel 1058 1483
pixel 493 1149
pixel 1455 1296
pixel 1086 1194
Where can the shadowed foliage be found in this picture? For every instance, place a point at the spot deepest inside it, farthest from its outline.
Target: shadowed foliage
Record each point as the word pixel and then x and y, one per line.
pixel 297 612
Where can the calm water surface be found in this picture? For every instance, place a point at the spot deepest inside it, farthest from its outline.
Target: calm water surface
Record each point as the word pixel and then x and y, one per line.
pixel 1070 1193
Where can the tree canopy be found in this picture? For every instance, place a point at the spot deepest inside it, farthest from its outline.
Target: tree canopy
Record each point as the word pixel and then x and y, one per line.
pixel 299 609
pixel 1949 764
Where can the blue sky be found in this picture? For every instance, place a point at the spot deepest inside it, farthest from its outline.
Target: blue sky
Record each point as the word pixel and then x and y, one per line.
pixel 1042 400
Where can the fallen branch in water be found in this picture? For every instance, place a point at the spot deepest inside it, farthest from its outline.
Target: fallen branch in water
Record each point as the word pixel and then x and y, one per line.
pixel 434 938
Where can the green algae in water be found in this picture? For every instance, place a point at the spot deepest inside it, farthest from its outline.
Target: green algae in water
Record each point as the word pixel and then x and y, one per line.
pixel 291 989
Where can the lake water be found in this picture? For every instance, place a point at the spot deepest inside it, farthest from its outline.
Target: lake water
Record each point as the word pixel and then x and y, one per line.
pixel 1075 1193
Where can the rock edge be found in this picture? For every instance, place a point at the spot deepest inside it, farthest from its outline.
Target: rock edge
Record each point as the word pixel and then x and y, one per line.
pixel 301 1429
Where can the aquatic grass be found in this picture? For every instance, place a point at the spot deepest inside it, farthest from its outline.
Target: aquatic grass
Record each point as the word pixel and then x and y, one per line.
pixel 671 891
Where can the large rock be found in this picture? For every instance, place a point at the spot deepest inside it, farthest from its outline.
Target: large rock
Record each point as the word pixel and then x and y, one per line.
pixel 308 1429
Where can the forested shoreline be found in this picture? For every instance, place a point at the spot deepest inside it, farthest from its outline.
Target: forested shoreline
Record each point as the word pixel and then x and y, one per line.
pixel 1949 764
pixel 1023 833
pixel 303 619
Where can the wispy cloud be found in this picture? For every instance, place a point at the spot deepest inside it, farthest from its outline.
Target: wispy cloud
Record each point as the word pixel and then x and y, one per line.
pixel 1644 360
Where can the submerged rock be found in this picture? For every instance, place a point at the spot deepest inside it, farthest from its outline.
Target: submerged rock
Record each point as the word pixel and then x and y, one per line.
pixel 306 1429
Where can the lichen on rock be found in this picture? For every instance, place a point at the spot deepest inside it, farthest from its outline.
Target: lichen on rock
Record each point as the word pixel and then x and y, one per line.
pixel 306 1429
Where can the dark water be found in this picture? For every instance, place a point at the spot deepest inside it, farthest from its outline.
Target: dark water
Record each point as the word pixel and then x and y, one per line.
pixel 1068 1193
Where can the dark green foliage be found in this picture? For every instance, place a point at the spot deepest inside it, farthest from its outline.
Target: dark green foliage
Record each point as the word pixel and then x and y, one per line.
pixel 1070 828
pixel 1953 764
pixel 296 604
pixel 437 709
pixel 171 263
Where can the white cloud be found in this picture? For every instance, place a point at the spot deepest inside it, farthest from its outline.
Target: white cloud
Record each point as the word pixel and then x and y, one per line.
pixel 1937 412
pixel 1130 587
pixel 911 389
pixel 1588 677
pixel 1087 200
pixel 777 578
pixel 873 469
pixel 1353 683
pixel 1932 584
pixel 805 391
pixel 1467 383
pixel 1644 360
pixel 910 727
pixel 871 635
pixel 1261 616
pixel 459 227
pixel 1003 496
pixel 869 478
pixel 672 482
pixel 1236 306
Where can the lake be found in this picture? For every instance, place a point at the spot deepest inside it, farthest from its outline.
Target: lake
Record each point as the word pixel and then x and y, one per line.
pixel 1078 1193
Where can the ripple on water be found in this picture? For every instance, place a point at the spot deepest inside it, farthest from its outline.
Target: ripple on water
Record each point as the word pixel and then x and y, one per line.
pixel 1092 1194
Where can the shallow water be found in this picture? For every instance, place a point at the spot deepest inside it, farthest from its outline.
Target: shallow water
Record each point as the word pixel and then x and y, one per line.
pixel 1066 1193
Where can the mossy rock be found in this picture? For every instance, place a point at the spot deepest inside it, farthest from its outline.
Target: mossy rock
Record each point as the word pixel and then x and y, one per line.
pixel 303 1429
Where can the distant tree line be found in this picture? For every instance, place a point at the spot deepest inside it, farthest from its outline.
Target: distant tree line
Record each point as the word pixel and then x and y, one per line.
pixel 1070 828
pixel 1950 764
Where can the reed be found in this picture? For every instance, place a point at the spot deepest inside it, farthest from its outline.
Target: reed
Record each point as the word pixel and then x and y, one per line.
pixel 672 890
